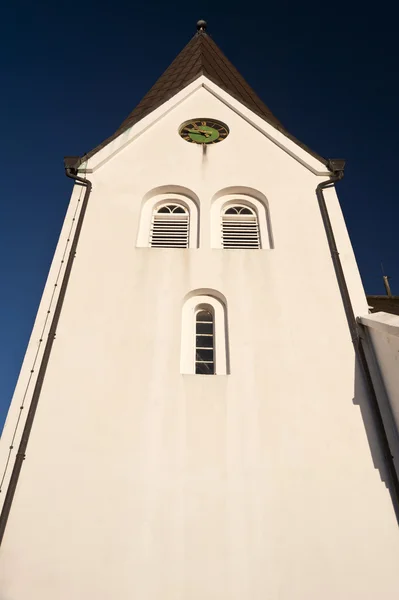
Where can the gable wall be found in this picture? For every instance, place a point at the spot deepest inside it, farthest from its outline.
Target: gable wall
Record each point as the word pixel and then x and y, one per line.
pixel 141 481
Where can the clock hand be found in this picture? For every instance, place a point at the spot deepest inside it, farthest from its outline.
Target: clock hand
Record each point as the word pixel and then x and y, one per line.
pixel 206 133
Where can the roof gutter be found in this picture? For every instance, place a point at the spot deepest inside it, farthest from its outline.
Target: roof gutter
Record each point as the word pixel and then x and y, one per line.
pixel 71 172
pixel 337 168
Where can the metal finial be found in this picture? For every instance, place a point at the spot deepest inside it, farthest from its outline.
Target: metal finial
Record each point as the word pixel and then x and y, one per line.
pixel 201 25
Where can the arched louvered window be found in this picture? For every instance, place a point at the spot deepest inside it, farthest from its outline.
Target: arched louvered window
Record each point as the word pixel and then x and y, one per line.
pixel 240 227
pixel 204 342
pixel 170 226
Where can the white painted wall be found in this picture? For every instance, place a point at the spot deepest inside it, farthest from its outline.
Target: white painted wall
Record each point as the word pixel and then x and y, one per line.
pixel 381 337
pixel 140 482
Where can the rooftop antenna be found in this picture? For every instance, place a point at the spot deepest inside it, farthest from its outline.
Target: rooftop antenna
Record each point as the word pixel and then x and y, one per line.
pixel 386 282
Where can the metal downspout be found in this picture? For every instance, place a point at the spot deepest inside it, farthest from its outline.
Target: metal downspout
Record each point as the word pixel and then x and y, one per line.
pixel 71 172
pixel 337 168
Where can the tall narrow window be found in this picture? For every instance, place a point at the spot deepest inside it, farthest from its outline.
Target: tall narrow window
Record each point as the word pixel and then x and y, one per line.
pixel 204 334
pixel 240 228
pixel 204 343
pixel 170 227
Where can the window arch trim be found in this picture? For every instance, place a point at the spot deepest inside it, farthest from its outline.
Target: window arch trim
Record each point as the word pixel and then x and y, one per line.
pixel 238 209
pixel 193 304
pixel 243 197
pixel 150 205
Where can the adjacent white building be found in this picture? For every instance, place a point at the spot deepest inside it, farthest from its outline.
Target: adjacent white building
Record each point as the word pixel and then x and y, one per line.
pixel 202 431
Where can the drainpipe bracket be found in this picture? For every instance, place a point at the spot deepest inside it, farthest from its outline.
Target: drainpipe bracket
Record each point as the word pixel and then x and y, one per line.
pixel 337 166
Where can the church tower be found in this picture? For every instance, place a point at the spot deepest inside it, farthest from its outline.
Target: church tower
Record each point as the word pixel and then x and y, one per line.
pixel 186 425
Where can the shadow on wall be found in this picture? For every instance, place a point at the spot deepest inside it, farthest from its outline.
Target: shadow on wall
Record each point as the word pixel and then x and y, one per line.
pixel 362 400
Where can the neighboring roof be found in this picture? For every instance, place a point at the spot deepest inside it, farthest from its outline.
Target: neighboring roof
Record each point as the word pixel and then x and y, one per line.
pixel 201 56
pixel 388 304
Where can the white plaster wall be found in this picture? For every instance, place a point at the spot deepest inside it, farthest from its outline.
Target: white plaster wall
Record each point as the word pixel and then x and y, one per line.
pixel 27 378
pixel 142 482
pixel 381 335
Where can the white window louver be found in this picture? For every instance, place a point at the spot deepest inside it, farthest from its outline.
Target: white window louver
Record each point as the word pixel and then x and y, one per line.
pixel 240 228
pixel 170 227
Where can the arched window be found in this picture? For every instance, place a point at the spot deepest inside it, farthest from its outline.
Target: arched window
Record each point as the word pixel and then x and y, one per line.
pixel 240 228
pixel 240 219
pixel 169 218
pixel 204 334
pixel 204 338
pixel 170 226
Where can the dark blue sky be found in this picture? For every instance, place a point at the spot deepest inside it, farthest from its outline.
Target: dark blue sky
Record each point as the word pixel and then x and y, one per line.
pixel 72 72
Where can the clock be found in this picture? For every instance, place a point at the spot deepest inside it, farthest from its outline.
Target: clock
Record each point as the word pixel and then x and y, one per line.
pixel 203 131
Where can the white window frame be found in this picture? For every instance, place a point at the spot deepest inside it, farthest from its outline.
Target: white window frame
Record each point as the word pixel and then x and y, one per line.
pixel 147 211
pixel 248 240
pixel 208 308
pixel 170 227
pixel 221 203
pixel 191 306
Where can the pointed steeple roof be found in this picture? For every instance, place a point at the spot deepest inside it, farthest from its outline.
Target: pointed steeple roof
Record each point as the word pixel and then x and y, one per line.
pixel 201 56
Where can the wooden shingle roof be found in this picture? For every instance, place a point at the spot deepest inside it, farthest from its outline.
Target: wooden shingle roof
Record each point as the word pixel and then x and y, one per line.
pixel 201 56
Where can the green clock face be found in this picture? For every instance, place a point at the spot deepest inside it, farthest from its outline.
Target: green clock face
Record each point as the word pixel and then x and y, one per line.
pixel 203 131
